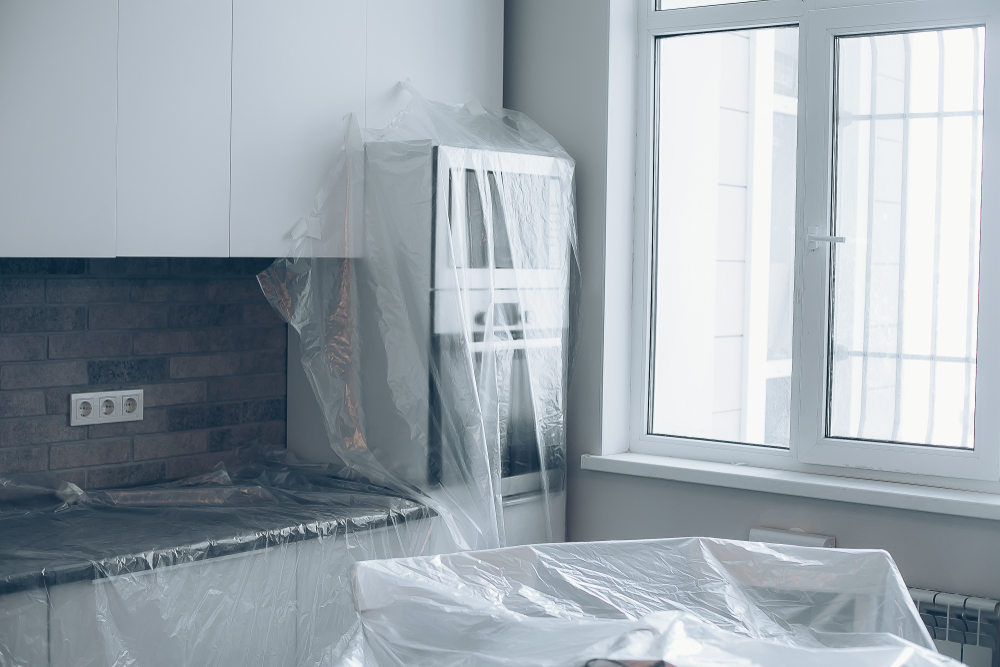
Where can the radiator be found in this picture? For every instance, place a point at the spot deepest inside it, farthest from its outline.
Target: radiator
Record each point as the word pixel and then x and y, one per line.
pixel 963 627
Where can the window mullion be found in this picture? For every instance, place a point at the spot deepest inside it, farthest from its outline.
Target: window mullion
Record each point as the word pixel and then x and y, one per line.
pixel 809 323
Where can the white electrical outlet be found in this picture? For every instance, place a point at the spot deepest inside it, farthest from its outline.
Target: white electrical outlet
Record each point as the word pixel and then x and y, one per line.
pixel 105 407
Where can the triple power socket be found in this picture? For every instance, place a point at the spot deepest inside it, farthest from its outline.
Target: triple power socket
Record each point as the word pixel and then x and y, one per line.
pixel 105 407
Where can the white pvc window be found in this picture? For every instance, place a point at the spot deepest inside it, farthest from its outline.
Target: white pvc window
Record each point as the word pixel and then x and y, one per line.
pixel 908 151
pixel 817 288
pixel 725 233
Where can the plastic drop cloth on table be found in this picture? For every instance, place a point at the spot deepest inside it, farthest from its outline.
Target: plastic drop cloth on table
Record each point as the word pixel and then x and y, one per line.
pixel 430 278
pixel 245 565
pixel 691 601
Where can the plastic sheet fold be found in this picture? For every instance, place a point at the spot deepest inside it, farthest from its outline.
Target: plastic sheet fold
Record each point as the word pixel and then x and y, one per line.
pixel 687 602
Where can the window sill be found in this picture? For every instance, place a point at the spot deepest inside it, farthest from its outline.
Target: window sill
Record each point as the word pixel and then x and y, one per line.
pixel 937 500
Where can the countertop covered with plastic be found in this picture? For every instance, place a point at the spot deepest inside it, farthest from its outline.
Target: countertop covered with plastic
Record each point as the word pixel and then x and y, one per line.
pixel 60 535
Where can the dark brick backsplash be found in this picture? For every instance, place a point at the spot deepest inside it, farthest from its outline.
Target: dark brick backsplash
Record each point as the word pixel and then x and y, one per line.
pixel 178 393
pixel 90 453
pixel 189 442
pixel 24 459
pixel 188 316
pixel 153 421
pixel 37 430
pixel 22 348
pixel 195 334
pixel 90 344
pixel 260 315
pixel 21 319
pixel 204 416
pixel 132 267
pixel 209 340
pixel 127 371
pixel 45 267
pixel 87 291
pixel 42 374
pixel 265 361
pixel 21 290
pixel 226 438
pixel 129 474
pixel 243 386
pixel 204 365
pixel 22 403
pixel 264 410
pixel 128 316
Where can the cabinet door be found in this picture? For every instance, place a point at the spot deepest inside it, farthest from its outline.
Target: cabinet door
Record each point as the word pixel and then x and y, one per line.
pixel 57 128
pixel 327 620
pixel 234 610
pixel 298 68
pixel 173 127
pixel 450 50
pixel 24 628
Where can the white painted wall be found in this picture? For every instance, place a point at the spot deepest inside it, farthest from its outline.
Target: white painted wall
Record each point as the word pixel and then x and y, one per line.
pixel 568 65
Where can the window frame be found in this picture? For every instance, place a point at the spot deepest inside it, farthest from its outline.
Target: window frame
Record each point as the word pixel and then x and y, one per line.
pixel 819 23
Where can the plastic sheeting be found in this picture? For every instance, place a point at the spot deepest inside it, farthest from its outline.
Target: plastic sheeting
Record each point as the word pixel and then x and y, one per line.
pixel 228 568
pixel 429 290
pixel 438 354
pixel 683 601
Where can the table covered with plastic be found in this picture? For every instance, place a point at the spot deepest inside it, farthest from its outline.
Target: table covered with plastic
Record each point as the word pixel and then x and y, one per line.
pixel 692 601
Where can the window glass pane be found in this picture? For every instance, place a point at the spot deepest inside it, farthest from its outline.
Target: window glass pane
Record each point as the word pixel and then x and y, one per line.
pixel 909 118
pixel 679 4
pixel 724 236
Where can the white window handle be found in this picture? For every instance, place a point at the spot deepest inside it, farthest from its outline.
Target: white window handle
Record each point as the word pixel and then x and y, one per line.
pixel 815 238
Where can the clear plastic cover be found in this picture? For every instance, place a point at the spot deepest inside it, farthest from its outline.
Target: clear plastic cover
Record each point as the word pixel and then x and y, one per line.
pixel 249 566
pixel 438 357
pixel 429 292
pixel 691 601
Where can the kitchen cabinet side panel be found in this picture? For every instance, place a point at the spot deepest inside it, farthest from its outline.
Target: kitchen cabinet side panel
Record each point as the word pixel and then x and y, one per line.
pixel 24 628
pixel 231 610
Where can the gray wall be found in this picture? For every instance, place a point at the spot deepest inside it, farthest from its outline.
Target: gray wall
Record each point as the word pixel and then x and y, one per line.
pixel 196 335
pixel 568 65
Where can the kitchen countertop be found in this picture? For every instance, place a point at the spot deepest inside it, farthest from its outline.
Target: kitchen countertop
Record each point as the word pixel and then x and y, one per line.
pixel 112 533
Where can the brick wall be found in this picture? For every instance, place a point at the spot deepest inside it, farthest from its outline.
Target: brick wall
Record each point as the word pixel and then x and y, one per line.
pixel 195 334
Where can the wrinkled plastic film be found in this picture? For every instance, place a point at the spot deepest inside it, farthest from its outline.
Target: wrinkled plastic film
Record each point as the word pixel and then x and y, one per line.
pixel 249 564
pixel 438 356
pixel 685 601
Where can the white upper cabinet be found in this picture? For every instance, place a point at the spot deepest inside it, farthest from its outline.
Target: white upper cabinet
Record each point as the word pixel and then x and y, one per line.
pixel 174 63
pixel 207 127
pixel 450 50
pixel 298 68
pixel 57 128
